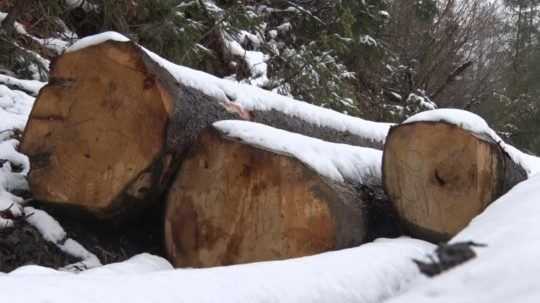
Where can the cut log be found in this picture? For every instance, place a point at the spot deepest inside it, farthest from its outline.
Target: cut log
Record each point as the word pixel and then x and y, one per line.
pixel 108 131
pixel 440 176
pixel 234 202
pixel 99 134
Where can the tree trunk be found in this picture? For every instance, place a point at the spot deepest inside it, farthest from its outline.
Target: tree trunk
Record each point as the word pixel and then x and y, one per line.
pixel 108 132
pixel 439 176
pixel 234 203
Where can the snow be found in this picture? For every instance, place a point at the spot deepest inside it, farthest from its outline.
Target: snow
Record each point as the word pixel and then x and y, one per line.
pixel 464 119
pixel 48 227
pixel 139 264
pixel 368 273
pixel 340 162
pixel 254 98
pixel 255 61
pixel 385 14
pixel 368 40
pixel 8 152
pixel 51 231
pixel 507 269
pixel 95 40
pixel 15 106
pixel 54 44
pixel 258 68
pixel 396 95
pixel 73 248
pixel 285 27
pixel 84 4
pixel 478 126
pixel 29 86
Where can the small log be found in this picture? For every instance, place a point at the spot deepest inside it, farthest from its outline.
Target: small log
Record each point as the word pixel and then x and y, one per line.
pixel 440 176
pixel 108 132
pixel 234 203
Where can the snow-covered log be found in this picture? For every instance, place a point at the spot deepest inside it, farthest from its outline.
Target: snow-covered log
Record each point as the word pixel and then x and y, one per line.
pixel 248 192
pixel 441 168
pixel 108 131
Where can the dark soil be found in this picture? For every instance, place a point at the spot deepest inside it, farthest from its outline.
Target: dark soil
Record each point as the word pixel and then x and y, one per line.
pixel 23 245
pixel 112 241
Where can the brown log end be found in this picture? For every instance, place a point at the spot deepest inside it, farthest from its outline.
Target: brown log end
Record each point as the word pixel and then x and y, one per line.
pixel 97 129
pixel 440 176
pixel 233 203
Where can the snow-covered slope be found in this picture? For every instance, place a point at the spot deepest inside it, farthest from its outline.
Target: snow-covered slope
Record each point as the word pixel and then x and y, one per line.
pixel 369 273
pixel 507 269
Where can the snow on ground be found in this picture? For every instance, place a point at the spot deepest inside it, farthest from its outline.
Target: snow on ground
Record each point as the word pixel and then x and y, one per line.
pixel 340 162
pixel 475 124
pixel 507 269
pixel 15 106
pixel 369 273
pixel 51 231
pixel 30 87
pixel 254 98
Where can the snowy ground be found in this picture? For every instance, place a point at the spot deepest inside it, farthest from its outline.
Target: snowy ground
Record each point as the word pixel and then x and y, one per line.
pixel 507 269
pixel 370 273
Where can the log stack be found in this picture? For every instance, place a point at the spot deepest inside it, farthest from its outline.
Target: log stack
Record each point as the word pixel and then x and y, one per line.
pixel 108 132
pixel 440 176
pixel 115 129
pixel 118 130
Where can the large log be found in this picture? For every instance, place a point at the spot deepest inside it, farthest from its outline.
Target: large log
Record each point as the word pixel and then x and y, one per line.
pixel 99 134
pixel 440 176
pixel 233 202
pixel 108 131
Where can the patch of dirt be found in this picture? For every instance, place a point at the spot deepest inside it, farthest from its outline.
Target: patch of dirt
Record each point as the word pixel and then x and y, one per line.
pixel 110 241
pixel 23 245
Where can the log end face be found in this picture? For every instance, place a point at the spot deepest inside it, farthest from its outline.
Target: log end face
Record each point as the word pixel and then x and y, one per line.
pixel 440 177
pixel 95 128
